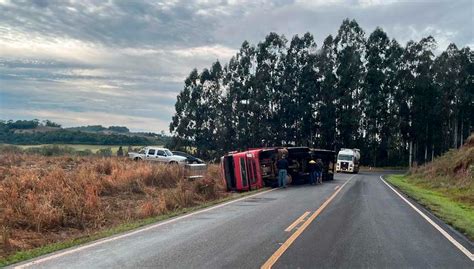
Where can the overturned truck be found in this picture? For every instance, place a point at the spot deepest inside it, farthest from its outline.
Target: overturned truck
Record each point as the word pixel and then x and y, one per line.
pixel 256 168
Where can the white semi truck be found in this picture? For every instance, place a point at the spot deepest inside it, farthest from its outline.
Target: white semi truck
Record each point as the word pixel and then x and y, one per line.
pixel 348 160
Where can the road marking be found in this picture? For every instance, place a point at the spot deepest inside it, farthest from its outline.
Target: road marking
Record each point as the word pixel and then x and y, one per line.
pixel 274 258
pixel 430 221
pixel 335 188
pixel 113 238
pixel 297 221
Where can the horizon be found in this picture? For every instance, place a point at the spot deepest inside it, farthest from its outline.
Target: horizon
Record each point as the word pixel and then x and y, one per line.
pixel 126 62
pixel 76 126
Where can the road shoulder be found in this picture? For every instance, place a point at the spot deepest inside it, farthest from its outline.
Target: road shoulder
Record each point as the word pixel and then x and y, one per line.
pixel 436 209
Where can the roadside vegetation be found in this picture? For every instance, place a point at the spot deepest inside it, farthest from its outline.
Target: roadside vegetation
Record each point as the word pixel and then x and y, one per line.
pixel 445 186
pixel 66 200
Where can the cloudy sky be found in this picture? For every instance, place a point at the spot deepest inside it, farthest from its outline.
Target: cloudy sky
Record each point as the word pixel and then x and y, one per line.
pixel 124 62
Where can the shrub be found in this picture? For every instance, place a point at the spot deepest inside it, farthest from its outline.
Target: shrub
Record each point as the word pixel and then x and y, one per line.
pixel 6 149
pixel 105 152
pixel 86 152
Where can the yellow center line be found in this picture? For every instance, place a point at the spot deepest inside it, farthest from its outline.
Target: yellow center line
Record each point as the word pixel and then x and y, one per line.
pixel 297 221
pixel 335 188
pixel 273 259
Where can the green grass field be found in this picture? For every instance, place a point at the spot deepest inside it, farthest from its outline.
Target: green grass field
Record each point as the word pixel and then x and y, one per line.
pixel 444 204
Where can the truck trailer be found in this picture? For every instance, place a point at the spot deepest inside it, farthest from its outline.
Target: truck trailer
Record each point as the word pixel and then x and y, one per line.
pixel 256 168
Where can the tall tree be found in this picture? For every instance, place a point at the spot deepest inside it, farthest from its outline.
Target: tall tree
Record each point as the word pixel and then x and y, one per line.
pixel 268 73
pixel 467 98
pixel 295 100
pixel 375 96
pixel 419 97
pixel 238 85
pixel 350 47
pixel 396 144
pixel 209 111
pixel 184 122
pixel 326 117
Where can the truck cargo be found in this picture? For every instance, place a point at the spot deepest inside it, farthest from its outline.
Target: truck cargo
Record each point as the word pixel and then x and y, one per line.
pixel 255 168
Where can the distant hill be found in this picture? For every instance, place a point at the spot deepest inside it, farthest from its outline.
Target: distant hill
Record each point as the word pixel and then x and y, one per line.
pixel 31 132
pixel 100 128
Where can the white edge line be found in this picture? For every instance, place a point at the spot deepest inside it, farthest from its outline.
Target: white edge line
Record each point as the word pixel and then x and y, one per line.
pixel 146 228
pixel 430 221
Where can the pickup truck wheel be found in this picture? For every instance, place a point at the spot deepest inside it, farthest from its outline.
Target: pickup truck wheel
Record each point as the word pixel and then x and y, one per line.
pixel 137 159
pixel 173 163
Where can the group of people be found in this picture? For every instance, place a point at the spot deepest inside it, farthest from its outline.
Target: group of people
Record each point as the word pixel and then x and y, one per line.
pixel 315 171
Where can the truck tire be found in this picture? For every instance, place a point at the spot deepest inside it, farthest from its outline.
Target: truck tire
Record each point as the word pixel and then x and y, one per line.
pixel 137 159
pixel 173 163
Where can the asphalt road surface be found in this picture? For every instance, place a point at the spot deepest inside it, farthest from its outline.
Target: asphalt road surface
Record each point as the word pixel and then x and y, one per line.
pixel 351 222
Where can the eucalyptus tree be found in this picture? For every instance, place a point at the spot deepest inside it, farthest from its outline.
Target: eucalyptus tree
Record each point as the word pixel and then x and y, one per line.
pixel 238 88
pixel 350 50
pixel 268 73
pixel 326 117
pixel 375 97
pixel 296 97
pixel 467 99
pixel 420 118
pixel 186 121
pixel 452 78
pixel 210 111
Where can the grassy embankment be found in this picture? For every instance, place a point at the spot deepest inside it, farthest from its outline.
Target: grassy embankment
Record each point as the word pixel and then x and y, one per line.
pixel 445 186
pixel 50 203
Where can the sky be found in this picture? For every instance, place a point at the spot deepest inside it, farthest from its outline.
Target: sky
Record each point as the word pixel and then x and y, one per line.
pixel 124 62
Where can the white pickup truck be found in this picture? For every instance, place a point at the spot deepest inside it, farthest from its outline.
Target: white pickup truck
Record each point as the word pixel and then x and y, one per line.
pixel 157 154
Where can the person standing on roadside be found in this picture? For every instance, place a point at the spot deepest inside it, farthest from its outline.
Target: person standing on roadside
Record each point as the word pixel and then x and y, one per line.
pixel 282 166
pixel 319 171
pixel 312 172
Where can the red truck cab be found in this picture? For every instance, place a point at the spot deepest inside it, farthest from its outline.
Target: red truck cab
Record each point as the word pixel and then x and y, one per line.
pixel 243 171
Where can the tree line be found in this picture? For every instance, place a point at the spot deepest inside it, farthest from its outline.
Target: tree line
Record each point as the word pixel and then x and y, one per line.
pixel 26 132
pixel 354 91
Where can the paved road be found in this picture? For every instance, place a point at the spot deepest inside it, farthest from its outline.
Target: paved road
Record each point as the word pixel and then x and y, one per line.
pixel 364 225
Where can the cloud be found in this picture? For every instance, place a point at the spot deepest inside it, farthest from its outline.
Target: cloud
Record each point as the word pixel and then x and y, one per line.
pixel 79 61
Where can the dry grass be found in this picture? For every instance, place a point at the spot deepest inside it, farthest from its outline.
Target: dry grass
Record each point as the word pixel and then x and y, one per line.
pixel 50 199
pixel 452 173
